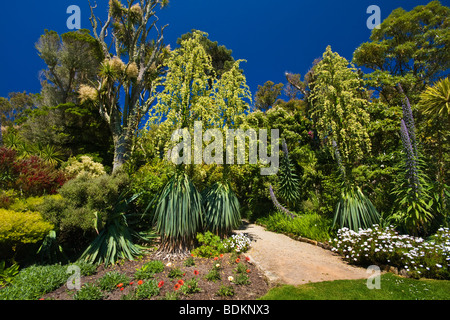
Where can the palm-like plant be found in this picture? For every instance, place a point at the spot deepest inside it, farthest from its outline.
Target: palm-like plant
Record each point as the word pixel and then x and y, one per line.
pixel 435 100
pixel 116 240
pixel 222 209
pixel 178 215
pixel 354 210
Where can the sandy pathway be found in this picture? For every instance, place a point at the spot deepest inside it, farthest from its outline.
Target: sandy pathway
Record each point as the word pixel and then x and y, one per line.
pixel 288 261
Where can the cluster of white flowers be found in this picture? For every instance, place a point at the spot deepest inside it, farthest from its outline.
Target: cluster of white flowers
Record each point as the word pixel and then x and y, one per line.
pixel 385 246
pixel 238 242
pixel 85 166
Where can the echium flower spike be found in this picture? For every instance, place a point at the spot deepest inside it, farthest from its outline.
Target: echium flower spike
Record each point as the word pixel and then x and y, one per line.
pixel 409 119
pixel 278 205
pixel 285 149
pixel 338 158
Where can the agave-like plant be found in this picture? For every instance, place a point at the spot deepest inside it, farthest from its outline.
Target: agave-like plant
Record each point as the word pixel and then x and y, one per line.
pixel 354 210
pixel 178 216
pixel 222 209
pixel 116 240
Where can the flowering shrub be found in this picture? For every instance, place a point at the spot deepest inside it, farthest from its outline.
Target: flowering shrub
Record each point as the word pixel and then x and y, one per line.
pixel 237 243
pixel 377 245
pixel 84 166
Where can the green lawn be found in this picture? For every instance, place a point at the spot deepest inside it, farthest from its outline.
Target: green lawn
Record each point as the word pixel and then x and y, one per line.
pixel 392 287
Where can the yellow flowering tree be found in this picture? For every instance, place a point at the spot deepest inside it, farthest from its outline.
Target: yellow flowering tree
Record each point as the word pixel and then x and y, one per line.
pixel 339 108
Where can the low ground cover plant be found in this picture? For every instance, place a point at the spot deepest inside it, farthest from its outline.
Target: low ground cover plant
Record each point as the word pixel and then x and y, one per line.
pixel 419 257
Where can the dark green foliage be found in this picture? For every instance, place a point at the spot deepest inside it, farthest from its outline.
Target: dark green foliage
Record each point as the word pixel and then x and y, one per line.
pixel 147 290
pixel 354 210
pixel 222 209
pixel 116 240
pixel 82 203
pixel 89 291
pixel 148 270
pixel 34 281
pixel 190 287
pixel 178 213
pixel 289 186
pixel 111 279
pixel 225 291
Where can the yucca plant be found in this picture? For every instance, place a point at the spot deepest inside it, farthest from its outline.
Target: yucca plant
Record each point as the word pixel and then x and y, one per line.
pixel 222 209
pixel 116 240
pixel 178 216
pixel 49 153
pixel 354 210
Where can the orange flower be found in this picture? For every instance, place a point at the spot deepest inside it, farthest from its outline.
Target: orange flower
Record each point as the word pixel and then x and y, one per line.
pixel 237 260
pixel 177 286
pixel 140 282
pixel 248 270
pixel 221 255
pixel 215 258
pixel 120 285
pixel 180 282
pixel 247 258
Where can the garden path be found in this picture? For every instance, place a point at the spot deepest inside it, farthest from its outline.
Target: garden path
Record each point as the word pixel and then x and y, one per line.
pixel 288 261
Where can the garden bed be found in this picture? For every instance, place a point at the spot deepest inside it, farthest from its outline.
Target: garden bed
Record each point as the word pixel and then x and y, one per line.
pixel 256 287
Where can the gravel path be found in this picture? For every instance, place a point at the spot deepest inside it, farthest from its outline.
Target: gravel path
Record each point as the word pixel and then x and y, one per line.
pixel 288 261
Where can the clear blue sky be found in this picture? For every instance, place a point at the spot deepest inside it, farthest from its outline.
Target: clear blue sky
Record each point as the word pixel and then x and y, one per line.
pixel 273 36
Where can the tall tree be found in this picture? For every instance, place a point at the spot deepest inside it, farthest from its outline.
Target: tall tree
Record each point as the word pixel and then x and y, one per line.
pixel 339 107
pixel 221 58
pixel 267 95
pixel 410 48
pixel 72 59
pixel 131 68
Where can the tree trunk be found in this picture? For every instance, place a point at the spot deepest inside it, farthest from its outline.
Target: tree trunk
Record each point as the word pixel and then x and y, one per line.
pixel 121 148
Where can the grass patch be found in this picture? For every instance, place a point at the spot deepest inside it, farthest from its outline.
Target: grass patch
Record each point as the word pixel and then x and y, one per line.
pixel 307 225
pixel 392 287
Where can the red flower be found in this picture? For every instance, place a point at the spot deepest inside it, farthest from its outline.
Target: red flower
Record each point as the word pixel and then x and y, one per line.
pixel 247 258
pixel 180 282
pixel 131 283
pixel 221 255
pixel 121 289
pixel 177 286
pixel 160 284
pixel 215 258
pixel 196 272
pixel 140 282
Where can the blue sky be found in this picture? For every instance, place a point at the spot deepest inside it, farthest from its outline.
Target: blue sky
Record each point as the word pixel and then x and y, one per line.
pixel 273 36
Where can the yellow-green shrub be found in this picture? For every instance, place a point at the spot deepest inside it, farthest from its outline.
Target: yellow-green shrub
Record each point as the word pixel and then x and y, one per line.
pixel 17 228
pixel 84 166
